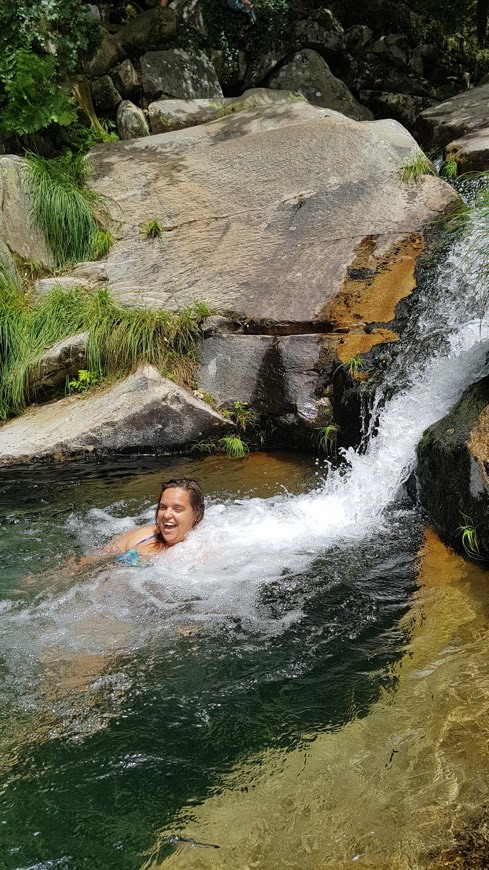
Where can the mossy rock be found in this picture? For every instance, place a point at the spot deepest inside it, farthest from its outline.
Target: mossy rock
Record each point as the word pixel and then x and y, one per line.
pixel 453 481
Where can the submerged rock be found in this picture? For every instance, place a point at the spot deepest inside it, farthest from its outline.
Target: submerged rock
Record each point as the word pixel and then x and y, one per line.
pixel 453 468
pixel 143 412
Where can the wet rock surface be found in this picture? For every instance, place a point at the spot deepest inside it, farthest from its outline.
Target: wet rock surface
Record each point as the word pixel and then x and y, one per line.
pixel 276 375
pixel 471 152
pixel 453 468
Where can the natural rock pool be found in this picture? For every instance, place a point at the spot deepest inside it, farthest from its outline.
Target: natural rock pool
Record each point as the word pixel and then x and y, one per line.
pixel 294 704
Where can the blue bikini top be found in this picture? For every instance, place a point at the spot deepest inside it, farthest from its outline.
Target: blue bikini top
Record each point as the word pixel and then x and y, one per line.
pixel 131 558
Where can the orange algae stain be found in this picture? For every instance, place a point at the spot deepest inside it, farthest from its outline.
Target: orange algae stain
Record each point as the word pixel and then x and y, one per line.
pixel 442 566
pixel 378 278
pixel 354 343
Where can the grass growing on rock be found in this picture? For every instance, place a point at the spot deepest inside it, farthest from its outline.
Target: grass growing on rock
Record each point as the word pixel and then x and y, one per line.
pixel 415 166
pixel 119 337
pixel 64 207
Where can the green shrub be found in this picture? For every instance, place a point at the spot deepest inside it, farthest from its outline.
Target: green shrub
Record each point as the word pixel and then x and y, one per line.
pixel 30 100
pixel 40 45
pixel 83 382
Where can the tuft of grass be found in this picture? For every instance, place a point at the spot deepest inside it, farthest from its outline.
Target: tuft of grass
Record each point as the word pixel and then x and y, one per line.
pixel 153 229
pixel 233 446
pixel 63 205
pixel 449 169
pixel 469 538
pixel 102 242
pixel 327 438
pixel 241 414
pixel 120 338
pixel 353 366
pixel 415 166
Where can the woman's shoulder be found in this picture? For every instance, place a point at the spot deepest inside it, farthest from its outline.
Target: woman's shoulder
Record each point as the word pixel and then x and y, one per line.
pixel 131 539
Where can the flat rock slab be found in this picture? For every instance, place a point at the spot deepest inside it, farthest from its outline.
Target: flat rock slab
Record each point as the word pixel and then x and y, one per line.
pixel 263 210
pixel 141 413
pixel 456 117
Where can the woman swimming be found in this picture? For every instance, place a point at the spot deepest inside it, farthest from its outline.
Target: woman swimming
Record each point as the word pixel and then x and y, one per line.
pixel 180 507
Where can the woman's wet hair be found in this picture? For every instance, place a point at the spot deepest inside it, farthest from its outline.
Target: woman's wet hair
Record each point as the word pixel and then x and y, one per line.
pixel 195 493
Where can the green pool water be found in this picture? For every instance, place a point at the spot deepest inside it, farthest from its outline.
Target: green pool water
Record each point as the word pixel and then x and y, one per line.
pixel 114 725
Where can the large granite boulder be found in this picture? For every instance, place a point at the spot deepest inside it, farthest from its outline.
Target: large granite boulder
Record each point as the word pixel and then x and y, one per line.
pixel 143 412
pixel 321 31
pixel 453 468
pixel 176 73
pixel 166 115
pixel 265 211
pixel 462 114
pixel 18 235
pixel 309 74
pixel 108 53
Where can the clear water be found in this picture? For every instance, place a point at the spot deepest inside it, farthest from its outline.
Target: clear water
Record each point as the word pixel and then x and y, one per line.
pixel 128 696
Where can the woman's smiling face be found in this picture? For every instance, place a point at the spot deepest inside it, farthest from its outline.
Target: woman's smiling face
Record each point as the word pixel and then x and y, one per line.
pixel 175 515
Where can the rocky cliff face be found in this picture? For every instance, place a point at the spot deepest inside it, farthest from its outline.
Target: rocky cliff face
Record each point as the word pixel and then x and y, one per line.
pixel 364 61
